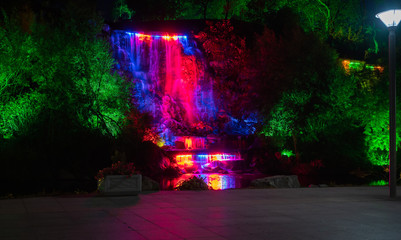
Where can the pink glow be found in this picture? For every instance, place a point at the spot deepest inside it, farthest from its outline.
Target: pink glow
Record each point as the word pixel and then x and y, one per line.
pixel 181 72
pixel 200 161
pixel 192 142
pixel 179 84
pixel 170 83
pixel 208 158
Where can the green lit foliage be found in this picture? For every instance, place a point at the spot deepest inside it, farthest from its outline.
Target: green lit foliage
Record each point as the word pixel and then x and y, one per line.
pixel 287 153
pixel 373 113
pixel 347 25
pixel 19 102
pixel 122 11
pixel 213 9
pixel 370 109
pixel 285 113
pixel 319 16
pixel 377 138
pixel 18 114
pixel 61 74
pixel 368 75
pixel 307 70
pixel 235 9
pixel 378 183
pixel 150 10
pixel 313 115
pixel 314 14
pixel 353 103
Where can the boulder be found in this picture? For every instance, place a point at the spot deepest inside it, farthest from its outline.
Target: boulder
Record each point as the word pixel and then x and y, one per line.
pixel 149 184
pixel 280 181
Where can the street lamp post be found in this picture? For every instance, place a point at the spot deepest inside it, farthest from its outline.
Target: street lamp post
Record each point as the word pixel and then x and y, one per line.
pixel 391 18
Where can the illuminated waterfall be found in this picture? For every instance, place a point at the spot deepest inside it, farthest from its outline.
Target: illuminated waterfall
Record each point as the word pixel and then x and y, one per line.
pixel 170 81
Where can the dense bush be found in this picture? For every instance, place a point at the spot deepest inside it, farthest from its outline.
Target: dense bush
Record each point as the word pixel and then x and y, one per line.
pixel 193 183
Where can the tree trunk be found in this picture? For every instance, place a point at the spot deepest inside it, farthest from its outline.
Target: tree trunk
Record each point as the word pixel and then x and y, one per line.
pixel 204 6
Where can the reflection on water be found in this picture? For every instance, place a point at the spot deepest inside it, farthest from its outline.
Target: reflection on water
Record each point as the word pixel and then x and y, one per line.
pixel 220 182
pixel 216 181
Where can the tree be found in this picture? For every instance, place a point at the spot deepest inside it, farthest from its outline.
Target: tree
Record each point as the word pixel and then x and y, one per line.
pixel 346 25
pixel 268 63
pixel 228 57
pixel 122 11
pixel 373 114
pixel 19 104
pixel 60 73
pixel 61 105
pixel 315 95
pixel 213 9
pixel 151 10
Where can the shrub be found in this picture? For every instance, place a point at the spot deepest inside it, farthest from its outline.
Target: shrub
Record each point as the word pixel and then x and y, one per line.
pixel 118 168
pixel 193 183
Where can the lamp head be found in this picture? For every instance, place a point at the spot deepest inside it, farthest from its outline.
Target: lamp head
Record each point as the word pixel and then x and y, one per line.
pixel 390 18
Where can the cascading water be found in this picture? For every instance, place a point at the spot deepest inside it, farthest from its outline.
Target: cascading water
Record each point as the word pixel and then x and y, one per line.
pixel 170 81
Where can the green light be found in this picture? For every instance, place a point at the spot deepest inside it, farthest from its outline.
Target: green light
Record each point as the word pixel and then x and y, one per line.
pixel 377 137
pixel 370 67
pixel 355 65
pixel 378 183
pixel 287 153
pixel 58 75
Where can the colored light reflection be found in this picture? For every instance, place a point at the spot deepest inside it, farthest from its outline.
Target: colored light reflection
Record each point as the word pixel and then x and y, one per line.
pixel 191 142
pixel 218 157
pixel 359 66
pixel 184 161
pixel 207 158
pixel 215 181
pixel 143 37
pixel 204 161
pixel 188 143
pixel 166 37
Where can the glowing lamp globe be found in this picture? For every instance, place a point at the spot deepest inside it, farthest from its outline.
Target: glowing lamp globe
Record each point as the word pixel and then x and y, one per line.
pixel 390 18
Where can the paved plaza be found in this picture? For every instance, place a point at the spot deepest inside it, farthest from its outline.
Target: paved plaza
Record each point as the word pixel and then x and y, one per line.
pixel 305 213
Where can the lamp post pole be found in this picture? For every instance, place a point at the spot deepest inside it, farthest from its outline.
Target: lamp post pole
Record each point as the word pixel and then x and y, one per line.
pixel 391 19
pixel 393 127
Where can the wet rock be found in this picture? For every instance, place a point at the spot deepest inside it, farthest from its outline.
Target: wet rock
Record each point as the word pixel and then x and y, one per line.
pixel 280 181
pixel 149 184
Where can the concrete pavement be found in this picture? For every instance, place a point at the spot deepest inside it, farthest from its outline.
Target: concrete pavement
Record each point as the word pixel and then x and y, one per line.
pixel 304 213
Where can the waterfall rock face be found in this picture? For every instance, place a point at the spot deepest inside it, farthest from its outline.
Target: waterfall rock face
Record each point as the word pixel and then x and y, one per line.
pixel 170 80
